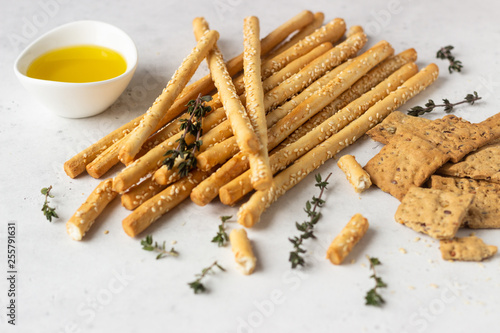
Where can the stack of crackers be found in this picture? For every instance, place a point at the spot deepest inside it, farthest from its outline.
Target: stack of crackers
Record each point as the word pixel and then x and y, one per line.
pixel 446 173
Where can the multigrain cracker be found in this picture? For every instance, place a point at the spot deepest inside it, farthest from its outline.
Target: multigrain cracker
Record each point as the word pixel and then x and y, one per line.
pixel 436 213
pixel 481 164
pixel 485 210
pixel 355 174
pixel 403 163
pixel 395 124
pixel 466 249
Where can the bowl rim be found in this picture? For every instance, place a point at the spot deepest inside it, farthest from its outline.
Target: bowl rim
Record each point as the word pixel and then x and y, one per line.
pixel 130 69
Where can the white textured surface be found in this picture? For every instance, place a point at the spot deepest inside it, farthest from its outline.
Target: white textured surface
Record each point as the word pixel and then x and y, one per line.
pixel 107 283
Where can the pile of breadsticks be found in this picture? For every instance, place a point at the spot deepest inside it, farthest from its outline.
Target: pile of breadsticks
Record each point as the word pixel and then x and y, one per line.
pixel 279 110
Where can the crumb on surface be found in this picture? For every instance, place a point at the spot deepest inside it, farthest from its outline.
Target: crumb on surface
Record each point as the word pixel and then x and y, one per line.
pixel 106 232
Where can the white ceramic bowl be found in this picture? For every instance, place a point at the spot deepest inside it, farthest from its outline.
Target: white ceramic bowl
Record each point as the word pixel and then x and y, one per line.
pixel 78 100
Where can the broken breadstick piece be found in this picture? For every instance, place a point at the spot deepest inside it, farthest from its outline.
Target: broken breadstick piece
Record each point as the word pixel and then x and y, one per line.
pixel 348 237
pixel 242 250
pixel 85 216
pixel 466 249
pixel 359 178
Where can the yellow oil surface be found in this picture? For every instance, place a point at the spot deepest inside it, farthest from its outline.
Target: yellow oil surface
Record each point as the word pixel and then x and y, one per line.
pixel 82 63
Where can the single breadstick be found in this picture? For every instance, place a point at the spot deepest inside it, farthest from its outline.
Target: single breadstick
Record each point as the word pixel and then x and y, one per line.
pixel 355 174
pixel 330 32
pixel 259 163
pixel 371 79
pixel 140 193
pixel 236 113
pixel 207 190
pixel 156 112
pixel 105 161
pixel 238 187
pixel 301 34
pixel 350 235
pixel 242 250
pixel 250 212
pixel 354 30
pixel 78 225
pixel 150 211
pixel 219 153
pixel 76 165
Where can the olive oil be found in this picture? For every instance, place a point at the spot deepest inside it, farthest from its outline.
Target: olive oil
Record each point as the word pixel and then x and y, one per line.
pixel 81 63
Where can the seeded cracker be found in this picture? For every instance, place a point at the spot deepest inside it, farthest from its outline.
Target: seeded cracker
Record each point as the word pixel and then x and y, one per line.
pixel 481 164
pixel 403 163
pixel 396 123
pixel 436 213
pixel 485 210
pixel 466 249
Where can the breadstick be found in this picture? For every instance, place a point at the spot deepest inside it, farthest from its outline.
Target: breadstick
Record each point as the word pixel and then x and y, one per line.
pixel 76 165
pixel 354 30
pixel 141 192
pixel 288 88
pixel 331 32
pixel 350 235
pixel 208 189
pixel 259 163
pixel 156 112
pixel 301 34
pixel 250 212
pixel 371 79
pixel 236 113
pixel 242 250
pixel 355 174
pixel 78 225
pixel 151 210
pixel 105 161
pixel 238 187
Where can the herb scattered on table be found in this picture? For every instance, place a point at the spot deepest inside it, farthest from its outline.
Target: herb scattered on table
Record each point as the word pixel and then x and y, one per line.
pixel 445 53
pixel 48 211
pixel 196 285
pixel 147 244
pixel 221 238
pixel 307 227
pixel 448 107
pixel 192 125
pixel 372 296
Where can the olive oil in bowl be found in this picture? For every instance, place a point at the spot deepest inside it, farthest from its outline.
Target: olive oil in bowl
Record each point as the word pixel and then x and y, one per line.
pixel 78 64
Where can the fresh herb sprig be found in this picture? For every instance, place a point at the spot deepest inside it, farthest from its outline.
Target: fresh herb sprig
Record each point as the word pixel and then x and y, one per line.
pixel 445 53
pixel 147 244
pixel 307 227
pixel 372 296
pixel 192 125
pixel 196 285
pixel 221 238
pixel 48 211
pixel 448 106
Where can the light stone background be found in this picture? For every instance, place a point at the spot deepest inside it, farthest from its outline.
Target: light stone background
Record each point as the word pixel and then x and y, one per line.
pixel 108 284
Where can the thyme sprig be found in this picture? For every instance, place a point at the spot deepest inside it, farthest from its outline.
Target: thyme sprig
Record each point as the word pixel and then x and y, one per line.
pixel 448 106
pixel 445 53
pixel 221 238
pixel 372 296
pixel 196 285
pixel 307 227
pixel 186 152
pixel 48 211
pixel 147 244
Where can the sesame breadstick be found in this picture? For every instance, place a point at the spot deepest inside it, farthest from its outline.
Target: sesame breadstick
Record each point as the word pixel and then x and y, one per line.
pixel 76 165
pixel 141 192
pixel 371 79
pixel 355 174
pixel 238 187
pixel 236 113
pixel 151 210
pixel 319 17
pixel 242 250
pixel 134 141
pixel 350 235
pixel 250 212
pixel 354 30
pixel 259 163
pixel 86 215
